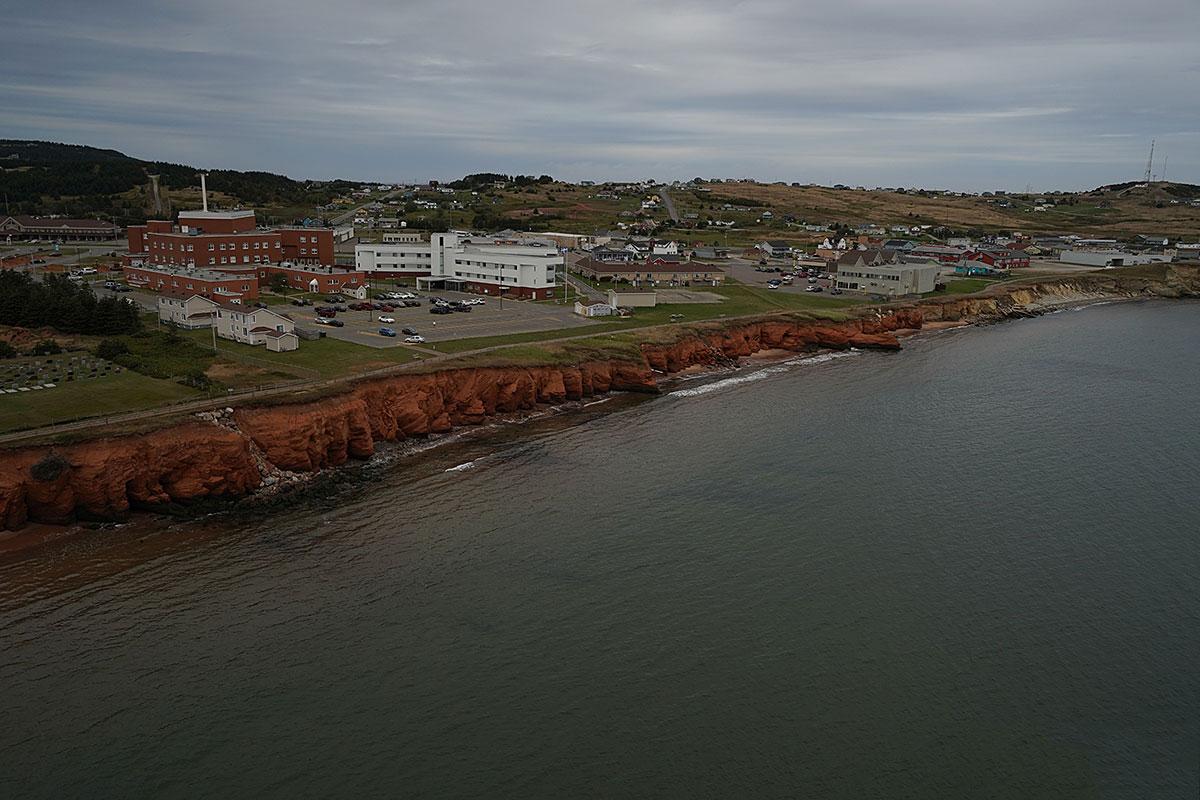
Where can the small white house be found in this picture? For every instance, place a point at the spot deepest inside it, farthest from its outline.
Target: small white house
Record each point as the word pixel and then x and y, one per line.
pixel 665 249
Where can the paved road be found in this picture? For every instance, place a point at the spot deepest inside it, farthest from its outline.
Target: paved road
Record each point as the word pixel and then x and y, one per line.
pixel 586 289
pixel 669 204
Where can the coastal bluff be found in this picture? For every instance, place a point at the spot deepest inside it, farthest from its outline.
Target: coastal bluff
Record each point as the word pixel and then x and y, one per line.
pixel 231 454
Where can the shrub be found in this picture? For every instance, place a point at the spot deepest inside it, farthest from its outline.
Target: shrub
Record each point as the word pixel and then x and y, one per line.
pixel 7 350
pixel 49 468
pixel 109 349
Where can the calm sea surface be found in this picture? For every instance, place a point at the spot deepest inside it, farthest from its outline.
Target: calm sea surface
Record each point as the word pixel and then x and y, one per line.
pixel 970 569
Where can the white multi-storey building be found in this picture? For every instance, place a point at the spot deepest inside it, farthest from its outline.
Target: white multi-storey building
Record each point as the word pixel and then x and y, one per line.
pixel 482 264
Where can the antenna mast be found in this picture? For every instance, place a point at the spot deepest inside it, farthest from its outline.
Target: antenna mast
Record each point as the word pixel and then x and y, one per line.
pixel 204 187
pixel 1150 162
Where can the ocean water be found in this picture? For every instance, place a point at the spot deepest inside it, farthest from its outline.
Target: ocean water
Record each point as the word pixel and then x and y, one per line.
pixel 969 569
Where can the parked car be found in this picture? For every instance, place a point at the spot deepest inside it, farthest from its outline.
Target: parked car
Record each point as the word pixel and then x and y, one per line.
pixel 439 310
pixel 814 289
pixel 411 303
pixel 835 290
pixel 388 320
pixel 260 304
pixel 120 287
pixel 326 311
pixel 111 285
pixel 414 340
pixel 336 323
pixel 387 307
pixel 461 307
pixel 409 331
pixel 387 332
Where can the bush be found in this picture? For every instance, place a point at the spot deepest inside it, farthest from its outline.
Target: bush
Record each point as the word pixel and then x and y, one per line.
pixel 7 350
pixel 46 347
pixel 197 379
pixel 49 468
pixel 110 349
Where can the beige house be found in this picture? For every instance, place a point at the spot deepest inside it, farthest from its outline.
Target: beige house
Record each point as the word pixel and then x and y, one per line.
pixel 255 326
pixel 189 311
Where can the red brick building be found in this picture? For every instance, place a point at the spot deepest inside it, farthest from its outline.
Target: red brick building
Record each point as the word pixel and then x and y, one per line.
pixel 218 239
pixel 241 285
pixel 1000 258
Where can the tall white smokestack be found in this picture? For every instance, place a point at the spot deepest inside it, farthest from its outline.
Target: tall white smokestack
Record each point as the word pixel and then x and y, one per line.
pixel 203 191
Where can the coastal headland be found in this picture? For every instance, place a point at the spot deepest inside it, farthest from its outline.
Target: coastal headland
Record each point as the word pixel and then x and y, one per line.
pixel 103 475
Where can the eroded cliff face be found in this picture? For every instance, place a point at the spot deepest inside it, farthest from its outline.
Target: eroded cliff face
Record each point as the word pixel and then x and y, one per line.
pixel 104 479
pixel 232 456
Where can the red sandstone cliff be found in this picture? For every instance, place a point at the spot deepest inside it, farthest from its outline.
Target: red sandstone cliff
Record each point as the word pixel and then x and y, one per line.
pixel 104 478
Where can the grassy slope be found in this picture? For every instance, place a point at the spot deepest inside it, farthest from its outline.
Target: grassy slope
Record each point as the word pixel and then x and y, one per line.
pixel 111 394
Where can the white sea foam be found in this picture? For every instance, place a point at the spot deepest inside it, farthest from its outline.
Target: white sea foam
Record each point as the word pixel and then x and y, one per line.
pixel 464 467
pixel 763 373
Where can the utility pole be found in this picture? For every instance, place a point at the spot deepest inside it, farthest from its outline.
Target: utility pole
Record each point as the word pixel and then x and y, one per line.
pixel 1150 164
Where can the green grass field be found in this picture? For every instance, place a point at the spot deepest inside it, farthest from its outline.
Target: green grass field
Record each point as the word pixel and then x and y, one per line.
pixel 967 285
pixel 740 300
pixel 325 358
pixel 113 394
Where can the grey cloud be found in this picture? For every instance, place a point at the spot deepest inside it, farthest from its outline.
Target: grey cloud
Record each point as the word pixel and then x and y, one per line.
pixel 958 93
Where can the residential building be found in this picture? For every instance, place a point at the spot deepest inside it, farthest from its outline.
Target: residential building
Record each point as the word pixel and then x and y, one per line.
pixel 652 272
pixel 999 257
pixel 186 310
pixel 775 248
pixel 610 255
pixel 937 252
pixel 255 326
pixel 893 280
pixel 710 253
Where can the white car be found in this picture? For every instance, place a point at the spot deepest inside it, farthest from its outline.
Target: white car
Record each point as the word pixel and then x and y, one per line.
pixel 404 296
pixel 388 320
pixel 414 339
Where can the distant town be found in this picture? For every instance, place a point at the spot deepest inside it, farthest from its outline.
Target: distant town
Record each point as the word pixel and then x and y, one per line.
pixel 381 274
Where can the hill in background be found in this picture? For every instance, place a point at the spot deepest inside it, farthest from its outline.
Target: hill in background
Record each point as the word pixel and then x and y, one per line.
pixel 44 178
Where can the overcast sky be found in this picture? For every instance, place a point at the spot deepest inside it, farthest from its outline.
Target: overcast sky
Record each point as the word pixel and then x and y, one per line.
pixel 964 94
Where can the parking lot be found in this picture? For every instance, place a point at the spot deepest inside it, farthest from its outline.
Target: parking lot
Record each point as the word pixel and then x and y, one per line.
pixel 492 319
pixel 746 272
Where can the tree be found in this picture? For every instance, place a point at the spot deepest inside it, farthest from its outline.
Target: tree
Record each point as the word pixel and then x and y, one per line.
pixel 7 350
pixel 278 283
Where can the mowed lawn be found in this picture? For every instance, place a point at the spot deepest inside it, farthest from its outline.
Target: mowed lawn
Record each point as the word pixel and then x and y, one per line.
pixel 325 358
pixel 112 394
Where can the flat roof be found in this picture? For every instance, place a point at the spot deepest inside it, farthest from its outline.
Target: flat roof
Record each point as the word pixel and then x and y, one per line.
pixel 216 214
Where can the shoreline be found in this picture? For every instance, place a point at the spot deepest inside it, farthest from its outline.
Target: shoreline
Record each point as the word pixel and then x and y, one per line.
pixel 246 456
pixel 424 454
